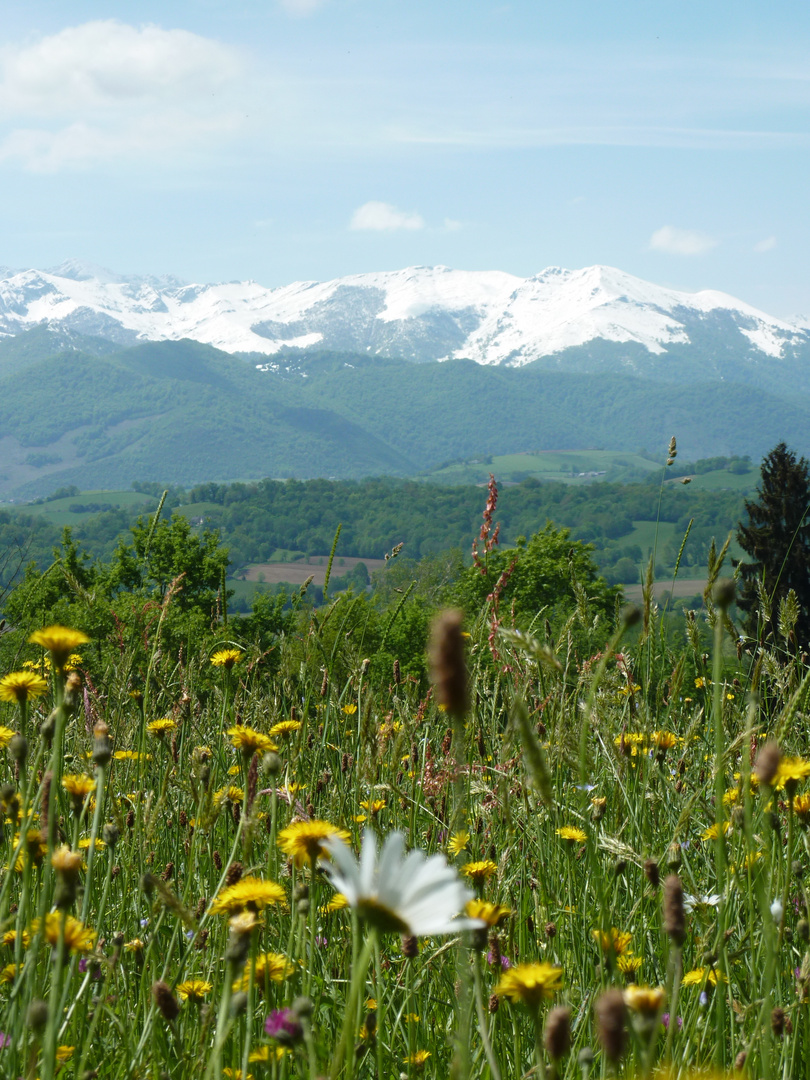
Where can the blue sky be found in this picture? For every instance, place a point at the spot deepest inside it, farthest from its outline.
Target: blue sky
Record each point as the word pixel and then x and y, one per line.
pixel 282 140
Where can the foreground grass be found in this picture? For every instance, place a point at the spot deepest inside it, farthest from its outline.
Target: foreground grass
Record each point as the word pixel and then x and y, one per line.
pixel 565 795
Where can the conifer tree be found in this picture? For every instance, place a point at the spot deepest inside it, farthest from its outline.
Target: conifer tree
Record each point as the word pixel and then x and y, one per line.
pixel 776 536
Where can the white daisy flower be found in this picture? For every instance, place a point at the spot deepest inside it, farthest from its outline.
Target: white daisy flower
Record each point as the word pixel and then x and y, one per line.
pixel 697 903
pixel 413 894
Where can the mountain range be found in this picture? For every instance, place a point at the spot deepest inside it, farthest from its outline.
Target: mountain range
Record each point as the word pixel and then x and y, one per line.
pixel 105 380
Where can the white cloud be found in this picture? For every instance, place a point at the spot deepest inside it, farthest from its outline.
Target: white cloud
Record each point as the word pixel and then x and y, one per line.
pixel 681 241
pixel 107 63
pixel 768 244
pixel 451 225
pixel 107 90
pixel 382 217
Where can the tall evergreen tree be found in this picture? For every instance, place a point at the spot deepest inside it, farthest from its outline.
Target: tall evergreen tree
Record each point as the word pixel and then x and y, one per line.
pixel 776 536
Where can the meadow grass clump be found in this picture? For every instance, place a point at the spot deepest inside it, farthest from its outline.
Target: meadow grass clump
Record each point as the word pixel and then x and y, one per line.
pixel 586 853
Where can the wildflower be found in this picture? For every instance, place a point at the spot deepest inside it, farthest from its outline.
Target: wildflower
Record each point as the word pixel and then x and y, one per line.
pixel 305 841
pixel 64 1053
pixel 700 682
pixel 8 973
pixel 615 941
pixel 273 966
pixel 78 788
pixel 350 709
pixel 664 740
pixel 489 914
pixel 790 772
pixel 266 1054
pixel 458 842
pixel 699 903
pixel 251 742
pixel 60 641
pixel 572 834
pixel 231 794
pixel 801 807
pixel 530 983
pixel 373 806
pixel 480 871
pixel 161 727
pixel 417 1059
pixel 647 1000
pixel 629 964
pixel 701 975
pixel 134 946
pixel 337 903
pixel 131 755
pixel 22 686
pixel 777 910
pixel 249 892
pixel 713 832
pixel 285 728
pixel 405 894
pixel 84 843
pixel 226 658
pixel 78 937
pixel 193 990
pixel 6 735
pixel 284 1025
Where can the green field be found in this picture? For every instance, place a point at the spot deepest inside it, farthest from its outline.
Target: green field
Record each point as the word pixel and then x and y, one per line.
pixel 59 512
pixel 568 466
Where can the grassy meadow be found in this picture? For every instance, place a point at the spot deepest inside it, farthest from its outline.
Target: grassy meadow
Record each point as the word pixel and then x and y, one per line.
pixel 605 802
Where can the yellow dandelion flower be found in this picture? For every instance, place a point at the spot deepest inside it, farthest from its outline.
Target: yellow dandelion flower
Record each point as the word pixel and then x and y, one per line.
pixel 530 983
pixel 22 686
pixel 629 964
pixel 646 1000
pixel 251 742
pixel 801 806
pixel 350 709
pixel 193 990
pixel 161 727
pixel 231 794
pixel 73 662
pixel 60 641
pixel 417 1059
pixel 698 976
pixel 134 946
pixel 267 1054
pixel 700 682
pixel 130 755
pixel 615 941
pixel 8 973
pixel 64 1053
pixel 78 937
pixel 731 796
pixel 790 772
pixel 491 914
pixel 226 658
pixel 284 728
pixel 249 892
pixel 664 740
pixel 337 903
pixel 303 840
pixel 84 844
pixel 6 735
pixel 458 842
pixel 712 832
pixel 373 806
pixel 572 834
pixel 78 787
pixel 479 871
pixel 269 966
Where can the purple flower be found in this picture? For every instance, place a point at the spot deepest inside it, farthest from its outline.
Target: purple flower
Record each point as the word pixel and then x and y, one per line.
pixel 84 964
pixel 665 1020
pixel 5 1040
pixel 284 1026
pixel 505 961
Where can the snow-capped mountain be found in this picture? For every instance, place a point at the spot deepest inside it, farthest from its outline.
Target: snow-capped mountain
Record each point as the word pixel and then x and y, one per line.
pixel 418 314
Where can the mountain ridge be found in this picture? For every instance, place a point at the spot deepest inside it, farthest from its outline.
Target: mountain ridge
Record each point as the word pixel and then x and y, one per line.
pixel 419 314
